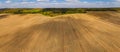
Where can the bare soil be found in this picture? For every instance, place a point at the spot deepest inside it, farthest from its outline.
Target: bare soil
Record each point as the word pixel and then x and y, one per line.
pixel 90 32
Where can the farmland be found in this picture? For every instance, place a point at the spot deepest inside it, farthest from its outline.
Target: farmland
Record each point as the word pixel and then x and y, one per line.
pixel 84 31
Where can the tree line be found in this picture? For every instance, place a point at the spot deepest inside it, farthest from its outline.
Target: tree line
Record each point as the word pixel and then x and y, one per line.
pixel 53 11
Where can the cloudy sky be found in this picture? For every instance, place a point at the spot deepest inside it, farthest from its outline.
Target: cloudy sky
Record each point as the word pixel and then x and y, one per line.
pixel 58 3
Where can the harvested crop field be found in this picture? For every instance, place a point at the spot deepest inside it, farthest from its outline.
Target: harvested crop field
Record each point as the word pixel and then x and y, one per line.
pixel 89 32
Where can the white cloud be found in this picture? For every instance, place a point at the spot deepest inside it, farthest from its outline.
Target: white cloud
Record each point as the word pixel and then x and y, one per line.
pixel 8 1
pixel 85 2
pixel 118 0
pixel 26 2
pixel 70 4
pixel 72 0
pixel 54 1
pixel 42 0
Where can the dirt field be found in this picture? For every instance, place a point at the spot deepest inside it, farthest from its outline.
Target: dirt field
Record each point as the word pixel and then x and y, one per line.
pixel 90 32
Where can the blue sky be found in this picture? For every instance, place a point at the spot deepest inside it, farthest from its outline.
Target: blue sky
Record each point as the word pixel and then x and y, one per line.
pixel 58 3
pixel 57 0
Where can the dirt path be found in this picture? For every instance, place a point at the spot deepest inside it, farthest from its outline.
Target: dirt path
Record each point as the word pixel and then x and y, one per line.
pixel 67 33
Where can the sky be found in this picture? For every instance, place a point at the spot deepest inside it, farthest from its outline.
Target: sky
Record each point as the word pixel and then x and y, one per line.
pixel 59 3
